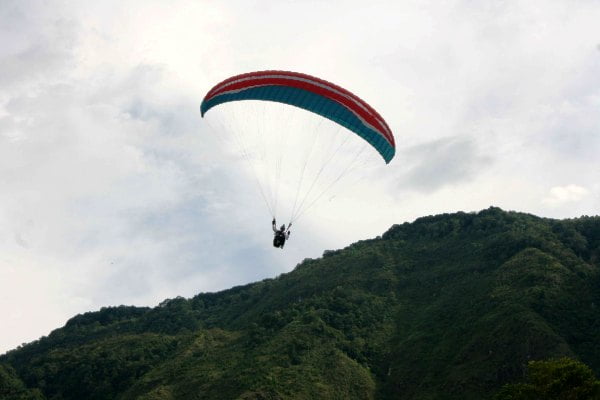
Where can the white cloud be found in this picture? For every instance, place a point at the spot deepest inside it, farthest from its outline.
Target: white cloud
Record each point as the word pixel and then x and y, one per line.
pixel 560 195
pixel 446 161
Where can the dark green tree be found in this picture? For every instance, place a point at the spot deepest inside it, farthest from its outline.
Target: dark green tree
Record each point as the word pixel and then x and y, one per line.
pixel 560 379
pixel 12 388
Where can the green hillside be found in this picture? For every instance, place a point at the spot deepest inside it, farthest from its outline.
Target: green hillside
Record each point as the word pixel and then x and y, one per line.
pixel 448 307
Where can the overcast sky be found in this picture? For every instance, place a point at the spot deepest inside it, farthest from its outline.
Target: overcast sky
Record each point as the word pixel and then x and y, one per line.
pixel 113 191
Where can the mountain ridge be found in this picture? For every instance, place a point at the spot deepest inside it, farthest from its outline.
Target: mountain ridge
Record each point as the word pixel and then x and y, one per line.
pixel 448 306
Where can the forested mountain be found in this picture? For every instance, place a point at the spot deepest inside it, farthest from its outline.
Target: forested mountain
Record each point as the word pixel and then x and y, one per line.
pixel 451 306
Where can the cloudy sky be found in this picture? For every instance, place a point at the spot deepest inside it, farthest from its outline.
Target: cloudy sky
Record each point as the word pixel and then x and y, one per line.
pixel 113 190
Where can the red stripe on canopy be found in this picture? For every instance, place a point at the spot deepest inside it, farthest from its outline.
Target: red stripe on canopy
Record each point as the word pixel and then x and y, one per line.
pixel 311 84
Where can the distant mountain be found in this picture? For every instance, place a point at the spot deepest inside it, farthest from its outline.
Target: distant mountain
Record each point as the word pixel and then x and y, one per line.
pixel 450 306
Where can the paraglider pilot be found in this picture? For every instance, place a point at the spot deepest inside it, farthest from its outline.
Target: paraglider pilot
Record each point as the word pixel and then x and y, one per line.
pixel 281 235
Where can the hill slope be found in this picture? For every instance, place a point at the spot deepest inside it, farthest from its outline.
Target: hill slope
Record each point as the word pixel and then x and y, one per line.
pixel 450 306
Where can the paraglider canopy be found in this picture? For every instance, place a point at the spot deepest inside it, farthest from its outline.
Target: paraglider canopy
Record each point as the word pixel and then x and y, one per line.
pixel 312 94
pixel 294 155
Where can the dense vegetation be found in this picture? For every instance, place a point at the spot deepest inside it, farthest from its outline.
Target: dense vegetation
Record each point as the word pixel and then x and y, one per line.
pixel 564 379
pixel 453 306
